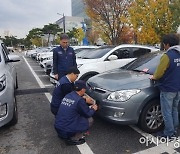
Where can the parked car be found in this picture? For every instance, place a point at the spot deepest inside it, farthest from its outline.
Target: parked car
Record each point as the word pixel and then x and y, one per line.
pixel 108 57
pixel 8 84
pixel 127 96
pixel 77 49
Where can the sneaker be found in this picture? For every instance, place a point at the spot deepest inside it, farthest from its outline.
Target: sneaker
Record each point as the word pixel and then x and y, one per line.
pixel 75 142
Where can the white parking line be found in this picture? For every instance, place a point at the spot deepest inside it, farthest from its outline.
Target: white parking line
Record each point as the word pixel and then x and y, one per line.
pixel 43 75
pixel 160 145
pixel 84 148
pixel 49 85
pixel 161 148
pixel 38 70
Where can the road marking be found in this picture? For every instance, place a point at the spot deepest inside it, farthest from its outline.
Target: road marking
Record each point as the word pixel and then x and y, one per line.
pixel 160 147
pixel 38 71
pixel 84 148
pixel 43 75
pixel 49 85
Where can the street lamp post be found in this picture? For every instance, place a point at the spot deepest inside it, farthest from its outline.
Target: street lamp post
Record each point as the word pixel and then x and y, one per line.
pixel 64 26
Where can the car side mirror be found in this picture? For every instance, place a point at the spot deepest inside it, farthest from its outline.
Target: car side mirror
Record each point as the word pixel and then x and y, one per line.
pixel 13 58
pixel 112 57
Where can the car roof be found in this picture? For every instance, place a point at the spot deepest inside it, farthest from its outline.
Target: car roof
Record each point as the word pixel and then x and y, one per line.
pixel 136 45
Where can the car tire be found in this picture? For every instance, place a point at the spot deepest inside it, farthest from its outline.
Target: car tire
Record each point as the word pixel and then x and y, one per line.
pixel 14 120
pixel 151 119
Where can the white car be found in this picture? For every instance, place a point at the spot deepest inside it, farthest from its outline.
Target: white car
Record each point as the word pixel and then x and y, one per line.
pixel 106 58
pixel 8 84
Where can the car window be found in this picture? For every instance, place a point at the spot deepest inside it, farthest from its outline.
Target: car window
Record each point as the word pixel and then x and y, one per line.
pixel 81 49
pixel 137 52
pixel 147 62
pixel 97 53
pixel 5 51
pixel 81 53
pixel 122 53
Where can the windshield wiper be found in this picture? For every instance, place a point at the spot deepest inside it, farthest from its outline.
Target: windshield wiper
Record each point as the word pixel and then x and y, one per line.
pixel 141 71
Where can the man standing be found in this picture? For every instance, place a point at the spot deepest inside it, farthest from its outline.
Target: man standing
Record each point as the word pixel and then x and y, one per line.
pixel 74 116
pixel 63 57
pixel 168 76
pixel 64 86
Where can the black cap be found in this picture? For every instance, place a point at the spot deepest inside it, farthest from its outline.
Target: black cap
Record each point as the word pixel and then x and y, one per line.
pixel 80 84
pixel 73 70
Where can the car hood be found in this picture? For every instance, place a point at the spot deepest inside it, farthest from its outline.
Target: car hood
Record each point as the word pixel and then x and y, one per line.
pixel 120 79
pixel 85 61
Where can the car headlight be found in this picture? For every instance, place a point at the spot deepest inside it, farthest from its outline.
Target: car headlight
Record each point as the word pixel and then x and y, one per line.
pixel 123 95
pixel 79 65
pixel 2 82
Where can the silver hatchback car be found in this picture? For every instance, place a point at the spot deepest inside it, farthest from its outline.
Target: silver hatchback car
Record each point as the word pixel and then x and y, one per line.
pixel 8 84
pixel 127 96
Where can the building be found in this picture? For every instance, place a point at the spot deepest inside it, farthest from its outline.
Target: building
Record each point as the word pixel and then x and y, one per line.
pixel 68 22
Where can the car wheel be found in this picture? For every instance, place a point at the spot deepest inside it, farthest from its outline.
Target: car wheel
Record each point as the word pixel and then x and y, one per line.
pixel 151 119
pixel 15 114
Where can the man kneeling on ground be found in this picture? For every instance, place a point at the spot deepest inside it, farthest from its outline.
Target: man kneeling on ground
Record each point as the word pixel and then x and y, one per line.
pixel 64 86
pixel 74 116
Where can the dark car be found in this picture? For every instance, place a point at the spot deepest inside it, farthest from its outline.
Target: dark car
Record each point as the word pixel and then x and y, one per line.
pixel 127 95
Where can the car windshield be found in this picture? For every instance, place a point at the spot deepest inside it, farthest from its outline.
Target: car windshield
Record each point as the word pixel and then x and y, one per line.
pixel 146 63
pixel 81 53
pixel 97 53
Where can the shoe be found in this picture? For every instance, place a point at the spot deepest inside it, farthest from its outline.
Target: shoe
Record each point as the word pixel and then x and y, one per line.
pixel 75 142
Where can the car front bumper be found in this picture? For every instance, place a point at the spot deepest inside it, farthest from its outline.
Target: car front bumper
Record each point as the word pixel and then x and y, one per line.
pixel 6 106
pixel 117 112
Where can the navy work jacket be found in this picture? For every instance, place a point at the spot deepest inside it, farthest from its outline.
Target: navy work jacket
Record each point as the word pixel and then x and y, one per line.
pixel 73 114
pixel 170 82
pixel 63 60
pixel 63 87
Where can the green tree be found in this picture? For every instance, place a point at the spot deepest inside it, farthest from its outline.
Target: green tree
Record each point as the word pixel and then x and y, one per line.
pixel 51 29
pixel 11 41
pixel 73 35
pixel 34 34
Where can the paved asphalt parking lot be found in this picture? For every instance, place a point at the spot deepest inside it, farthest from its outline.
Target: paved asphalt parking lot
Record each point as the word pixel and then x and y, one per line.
pixel 34 133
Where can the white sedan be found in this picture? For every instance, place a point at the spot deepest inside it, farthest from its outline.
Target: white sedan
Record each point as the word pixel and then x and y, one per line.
pixel 106 58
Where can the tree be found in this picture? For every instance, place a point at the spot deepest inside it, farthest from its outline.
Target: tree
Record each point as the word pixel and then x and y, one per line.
pixel 73 35
pixel 175 9
pixel 34 34
pixel 109 16
pixel 51 29
pixel 93 36
pixel 150 20
pixel 11 41
pixel 79 35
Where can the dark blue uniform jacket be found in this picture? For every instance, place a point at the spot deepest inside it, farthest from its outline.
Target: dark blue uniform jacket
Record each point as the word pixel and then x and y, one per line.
pixel 73 114
pixel 63 60
pixel 63 87
pixel 170 82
